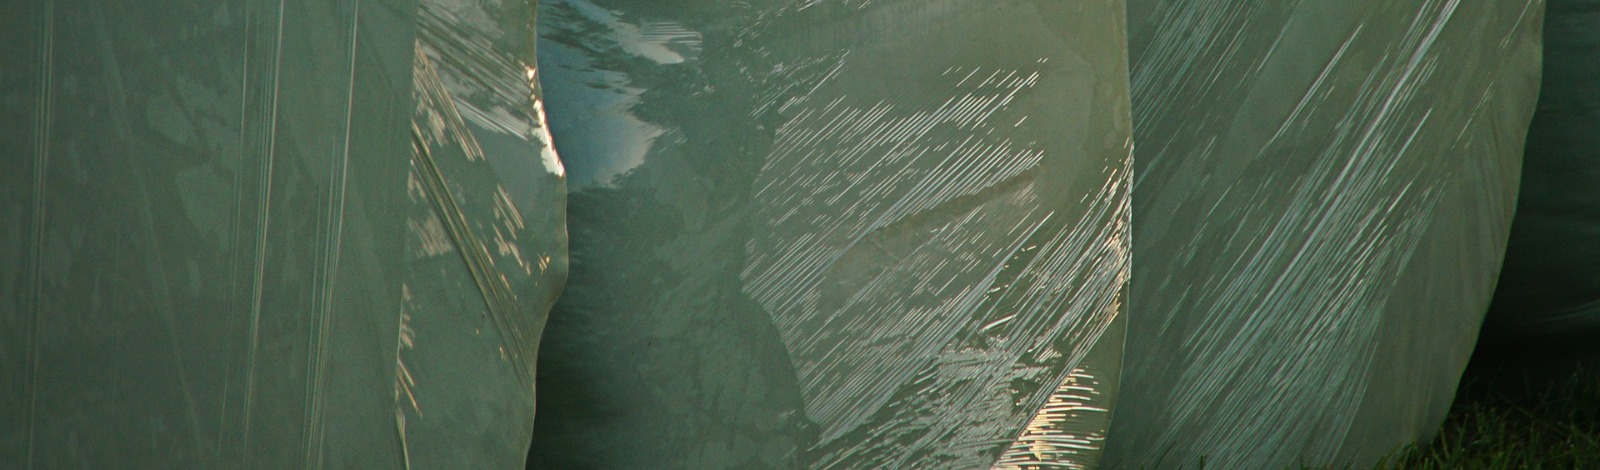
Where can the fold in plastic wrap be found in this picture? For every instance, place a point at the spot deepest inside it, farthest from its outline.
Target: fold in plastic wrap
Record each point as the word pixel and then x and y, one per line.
pixel 1551 283
pixel 835 234
pixel 1322 197
pixel 208 257
pixel 486 239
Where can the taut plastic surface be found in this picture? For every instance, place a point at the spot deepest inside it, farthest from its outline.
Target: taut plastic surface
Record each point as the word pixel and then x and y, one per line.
pixel 486 248
pixel 1323 192
pixel 835 234
pixel 268 235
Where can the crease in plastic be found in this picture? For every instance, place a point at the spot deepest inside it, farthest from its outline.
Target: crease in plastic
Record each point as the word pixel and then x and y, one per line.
pixel 929 244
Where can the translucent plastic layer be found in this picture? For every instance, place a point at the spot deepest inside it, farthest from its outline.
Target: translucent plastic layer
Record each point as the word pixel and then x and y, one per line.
pixel 1321 201
pixel 268 234
pixel 835 234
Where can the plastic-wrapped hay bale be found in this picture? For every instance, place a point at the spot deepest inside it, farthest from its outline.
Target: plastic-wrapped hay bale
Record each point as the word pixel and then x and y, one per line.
pixel 1322 198
pixel 486 249
pixel 213 255
pixel 835 234
pixel 202 226
pixel 1551 282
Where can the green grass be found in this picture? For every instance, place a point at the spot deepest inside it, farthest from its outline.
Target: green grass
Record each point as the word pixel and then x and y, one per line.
pixel 1517 420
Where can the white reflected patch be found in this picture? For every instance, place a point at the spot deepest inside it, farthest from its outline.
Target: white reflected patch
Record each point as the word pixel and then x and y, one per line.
pixel 547 148
pixel 663 42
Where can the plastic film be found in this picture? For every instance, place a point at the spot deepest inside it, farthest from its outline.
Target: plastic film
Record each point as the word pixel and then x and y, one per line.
pixel 224 247
pixel 1322 198
pixel 486 246
pixel 833 234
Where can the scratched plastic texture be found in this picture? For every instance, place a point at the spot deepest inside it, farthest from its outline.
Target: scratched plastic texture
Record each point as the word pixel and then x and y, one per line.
pixel 1551 283
pixel 224 246
pixel 835 234
pixel 1322 197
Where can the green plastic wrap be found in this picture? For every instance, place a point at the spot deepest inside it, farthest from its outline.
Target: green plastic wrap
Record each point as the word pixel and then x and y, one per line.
pixel 1550 287
pixel 271 234
pixel 836 233
pixel 1322 197
pixel 487 238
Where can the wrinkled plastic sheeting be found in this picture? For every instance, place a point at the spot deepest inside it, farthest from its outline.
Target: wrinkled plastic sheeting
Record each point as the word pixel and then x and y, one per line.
pixel 835 234
pixel 486 246
pixel 1323 194
pixel 210 258
pixel 1551 282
